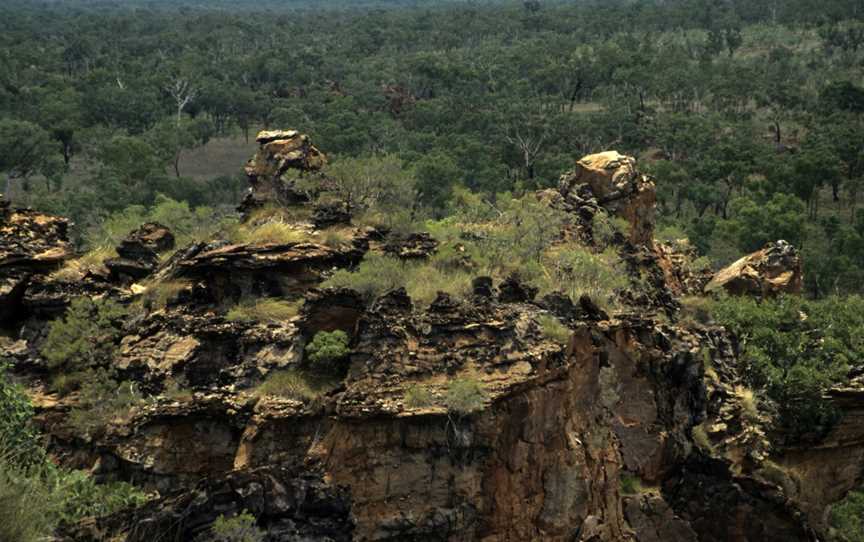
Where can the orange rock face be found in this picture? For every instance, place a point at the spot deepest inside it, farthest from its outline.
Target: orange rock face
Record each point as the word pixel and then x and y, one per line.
pixel 773 270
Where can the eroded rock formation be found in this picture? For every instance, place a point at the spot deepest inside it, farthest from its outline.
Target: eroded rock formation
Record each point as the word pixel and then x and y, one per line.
pixel 589 436
pixel 613 181
pixel 279 152
pixel 773 270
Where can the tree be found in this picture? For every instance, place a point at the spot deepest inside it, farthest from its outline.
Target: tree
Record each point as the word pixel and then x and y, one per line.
pixel 26 149
pixel 183 93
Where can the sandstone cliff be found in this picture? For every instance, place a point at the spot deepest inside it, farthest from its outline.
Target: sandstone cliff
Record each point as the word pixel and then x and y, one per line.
pixel 589 437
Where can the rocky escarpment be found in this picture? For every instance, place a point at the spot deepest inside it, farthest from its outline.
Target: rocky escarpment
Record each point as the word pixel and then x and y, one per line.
pixel 589 434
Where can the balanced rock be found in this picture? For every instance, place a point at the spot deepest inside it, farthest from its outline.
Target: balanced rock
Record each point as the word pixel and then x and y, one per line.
pixel 773 270
pixel 617 186
pixel 279 151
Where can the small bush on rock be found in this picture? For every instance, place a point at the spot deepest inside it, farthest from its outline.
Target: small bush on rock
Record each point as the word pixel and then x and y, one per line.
pixel 86 336
pixel 465 396
pixel 326 348
pixel 418 397
pixel 290 384
pixel 240 528
pixel 553 329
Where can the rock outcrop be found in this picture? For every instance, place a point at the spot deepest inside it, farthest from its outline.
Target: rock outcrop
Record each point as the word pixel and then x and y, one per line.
pixel 279 152
pixel 139 252
pixel 773 270
pixel 612 181
pixel 31 244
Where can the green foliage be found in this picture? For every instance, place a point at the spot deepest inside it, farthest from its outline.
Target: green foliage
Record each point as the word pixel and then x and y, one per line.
pixel 553 329
pixel 27 513
pixel 757 223
pixel 187 224
pixel 847 517
pixel 630 485
pixel 34 493
pixel 86 336
pixel 17 436
pixel 374 276
pixel 102 400
pixel 263 310
pixel 418 396
pixel 465 396
pixel 577 272
pixel 326 348
pixel 795 350
pixel 240 528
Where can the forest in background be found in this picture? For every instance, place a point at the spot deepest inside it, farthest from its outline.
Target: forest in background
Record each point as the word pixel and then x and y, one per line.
pixel 748 113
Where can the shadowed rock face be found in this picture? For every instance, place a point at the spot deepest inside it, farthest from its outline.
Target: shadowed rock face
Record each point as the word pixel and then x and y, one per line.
pixel 773 270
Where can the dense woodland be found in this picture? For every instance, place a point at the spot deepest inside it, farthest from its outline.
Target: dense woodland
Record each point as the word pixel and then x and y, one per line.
pixel 748 113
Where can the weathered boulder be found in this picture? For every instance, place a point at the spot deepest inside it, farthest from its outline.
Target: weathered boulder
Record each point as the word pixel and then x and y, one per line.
pixel 139 252
pixel 773 270
pixel 613 180
pixel 31 244
pixel 279 151
pixel 411 247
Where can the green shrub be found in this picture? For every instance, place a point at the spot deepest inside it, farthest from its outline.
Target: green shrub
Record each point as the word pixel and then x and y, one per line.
pixel 326 348
pixel 847 517
pixel 604 228
pixel 553 329
pixel 374 276
pixel 795 350
pixel 17 436
pixel 86 336
pixel 263 310
pixel 465 396
pixel 630 485
pixel 101 400
pixel 240 528
pixel 291 384
pixel 28 513
pixel 418 396
pixel 701 439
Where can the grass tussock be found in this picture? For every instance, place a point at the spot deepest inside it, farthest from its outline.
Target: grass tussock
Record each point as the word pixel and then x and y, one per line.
pixel 465 396
pixel 89 262
pixel 263 310
pixel 159 294
pixel 273 232
pixel 553 329
pixel 378 274
pixel 418 396
pixel 295 384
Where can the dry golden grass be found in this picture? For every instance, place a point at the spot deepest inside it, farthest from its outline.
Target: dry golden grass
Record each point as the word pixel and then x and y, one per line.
pixel 264 310
pixel 89 262
pixel 273 232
